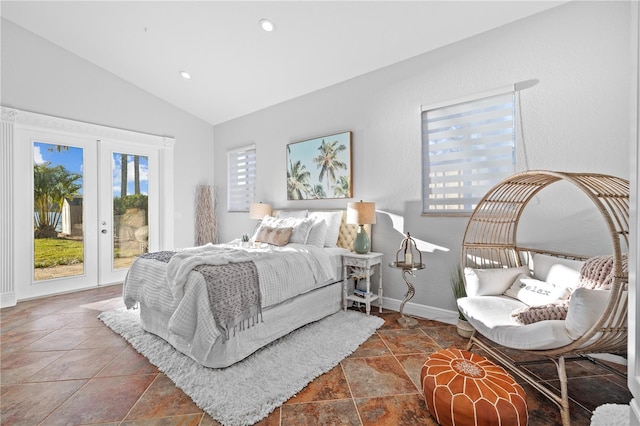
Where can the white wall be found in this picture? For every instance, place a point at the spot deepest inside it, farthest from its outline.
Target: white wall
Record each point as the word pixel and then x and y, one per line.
pixel 41 77
pixel 633 376
pixel 575 119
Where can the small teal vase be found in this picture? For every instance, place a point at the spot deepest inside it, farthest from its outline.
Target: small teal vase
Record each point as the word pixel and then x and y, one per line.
pixel 362 244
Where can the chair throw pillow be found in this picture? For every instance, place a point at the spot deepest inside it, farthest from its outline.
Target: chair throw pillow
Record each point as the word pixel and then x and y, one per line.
pixel 490 282
pixel 534 292
pixel 586 308
pixel 531 314
pixel 596 274
pixel 557 270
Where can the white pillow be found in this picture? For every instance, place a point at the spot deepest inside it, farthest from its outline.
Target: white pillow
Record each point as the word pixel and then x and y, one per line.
pixel 268 221
pixel 333 219
pixel 585 308
pixel 490 282
pixel 298 214
pixel 535 292
pixel 556 270
pixel 317 233
pixel 301 228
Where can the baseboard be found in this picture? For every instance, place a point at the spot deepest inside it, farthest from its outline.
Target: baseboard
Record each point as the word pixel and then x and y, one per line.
pixel 422 311
pixel 635 412
pixel 415 309
pixel 8 299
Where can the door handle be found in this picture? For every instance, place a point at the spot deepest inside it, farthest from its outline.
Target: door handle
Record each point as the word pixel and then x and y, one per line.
pixel 104 231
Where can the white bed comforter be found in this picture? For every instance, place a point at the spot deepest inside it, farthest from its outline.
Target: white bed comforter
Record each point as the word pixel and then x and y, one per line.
pixel 179 292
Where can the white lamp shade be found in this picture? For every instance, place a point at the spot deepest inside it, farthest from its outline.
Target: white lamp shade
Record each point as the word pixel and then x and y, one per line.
pixel 259 210
pixel 361 213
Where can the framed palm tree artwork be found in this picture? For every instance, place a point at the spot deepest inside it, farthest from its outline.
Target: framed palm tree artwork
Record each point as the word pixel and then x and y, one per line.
pixel 319 168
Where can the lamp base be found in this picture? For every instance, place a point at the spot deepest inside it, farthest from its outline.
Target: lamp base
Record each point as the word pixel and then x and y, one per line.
pixel 362 244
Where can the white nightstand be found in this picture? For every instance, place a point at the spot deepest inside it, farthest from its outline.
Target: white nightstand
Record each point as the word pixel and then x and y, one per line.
pixel 355 264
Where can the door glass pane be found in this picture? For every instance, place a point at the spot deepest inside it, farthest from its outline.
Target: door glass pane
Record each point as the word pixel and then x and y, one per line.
pixel 130 208
pixel 58 211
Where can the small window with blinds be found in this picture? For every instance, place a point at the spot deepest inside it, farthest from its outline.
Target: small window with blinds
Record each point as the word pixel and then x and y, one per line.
pixel 241 182
pixel 467 148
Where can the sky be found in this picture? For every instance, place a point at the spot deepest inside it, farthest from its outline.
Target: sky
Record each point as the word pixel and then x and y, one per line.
pixel 117 177
pixel 72 160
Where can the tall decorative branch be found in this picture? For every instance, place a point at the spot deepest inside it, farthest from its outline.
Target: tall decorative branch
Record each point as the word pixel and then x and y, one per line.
pixel 206 221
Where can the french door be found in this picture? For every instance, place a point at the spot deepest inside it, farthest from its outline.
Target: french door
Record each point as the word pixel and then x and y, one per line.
pixel 95 209
pixel 128 207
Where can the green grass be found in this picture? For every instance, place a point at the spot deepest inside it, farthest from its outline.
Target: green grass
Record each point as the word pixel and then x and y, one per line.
pixel 54 252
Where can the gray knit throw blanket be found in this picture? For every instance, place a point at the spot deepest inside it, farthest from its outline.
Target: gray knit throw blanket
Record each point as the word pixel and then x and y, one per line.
pixel 161 256
pixel 233 290
pixel 234 295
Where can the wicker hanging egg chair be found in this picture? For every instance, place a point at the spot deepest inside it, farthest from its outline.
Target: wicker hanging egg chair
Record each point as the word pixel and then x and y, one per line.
pixel 490 242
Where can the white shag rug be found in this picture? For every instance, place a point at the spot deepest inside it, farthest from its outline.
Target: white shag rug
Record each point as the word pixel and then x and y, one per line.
pixel 611 415
pixel 249 390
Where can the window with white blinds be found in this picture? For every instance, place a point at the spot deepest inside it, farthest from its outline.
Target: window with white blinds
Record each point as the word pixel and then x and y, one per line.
pixel 467 148
pixel 242 178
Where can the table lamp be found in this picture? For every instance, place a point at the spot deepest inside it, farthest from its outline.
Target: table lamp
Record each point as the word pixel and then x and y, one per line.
pixel 258 211
pixel 361 213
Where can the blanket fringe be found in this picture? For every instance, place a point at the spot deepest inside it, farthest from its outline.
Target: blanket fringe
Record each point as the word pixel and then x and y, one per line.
pixel 234 295
pixel 244 325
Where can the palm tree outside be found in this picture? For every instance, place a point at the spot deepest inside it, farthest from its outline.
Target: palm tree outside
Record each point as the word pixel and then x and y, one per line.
pixel 123 175
pixel 51 186
pixel 57 191
pixel 136 174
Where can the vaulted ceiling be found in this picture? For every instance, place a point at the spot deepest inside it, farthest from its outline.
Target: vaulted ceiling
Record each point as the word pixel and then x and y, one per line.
pixel 236 67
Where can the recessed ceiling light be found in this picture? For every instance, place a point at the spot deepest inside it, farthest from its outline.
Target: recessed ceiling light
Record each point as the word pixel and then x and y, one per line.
pixel 185 75
pixel 267 25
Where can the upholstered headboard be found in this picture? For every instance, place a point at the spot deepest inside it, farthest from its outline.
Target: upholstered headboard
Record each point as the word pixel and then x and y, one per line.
pixel 348 232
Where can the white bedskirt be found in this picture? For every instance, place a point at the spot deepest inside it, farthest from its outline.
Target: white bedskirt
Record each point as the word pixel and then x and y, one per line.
pixel 278 320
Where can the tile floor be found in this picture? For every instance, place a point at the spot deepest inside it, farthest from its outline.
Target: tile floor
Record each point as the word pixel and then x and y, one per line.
pixel 59 365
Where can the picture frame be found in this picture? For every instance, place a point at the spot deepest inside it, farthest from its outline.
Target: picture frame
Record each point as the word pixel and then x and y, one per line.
pixel 320 168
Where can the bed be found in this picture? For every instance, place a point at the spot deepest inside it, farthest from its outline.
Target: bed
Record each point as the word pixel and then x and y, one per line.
pixel 297 280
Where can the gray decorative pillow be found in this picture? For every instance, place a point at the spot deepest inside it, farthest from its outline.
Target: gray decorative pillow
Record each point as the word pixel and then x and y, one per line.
pixel 531 314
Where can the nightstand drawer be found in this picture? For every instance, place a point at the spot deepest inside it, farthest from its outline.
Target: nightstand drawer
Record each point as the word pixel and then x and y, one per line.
pixel 349 261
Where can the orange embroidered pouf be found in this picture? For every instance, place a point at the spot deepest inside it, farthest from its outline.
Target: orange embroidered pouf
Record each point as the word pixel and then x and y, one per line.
pixel 465 389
